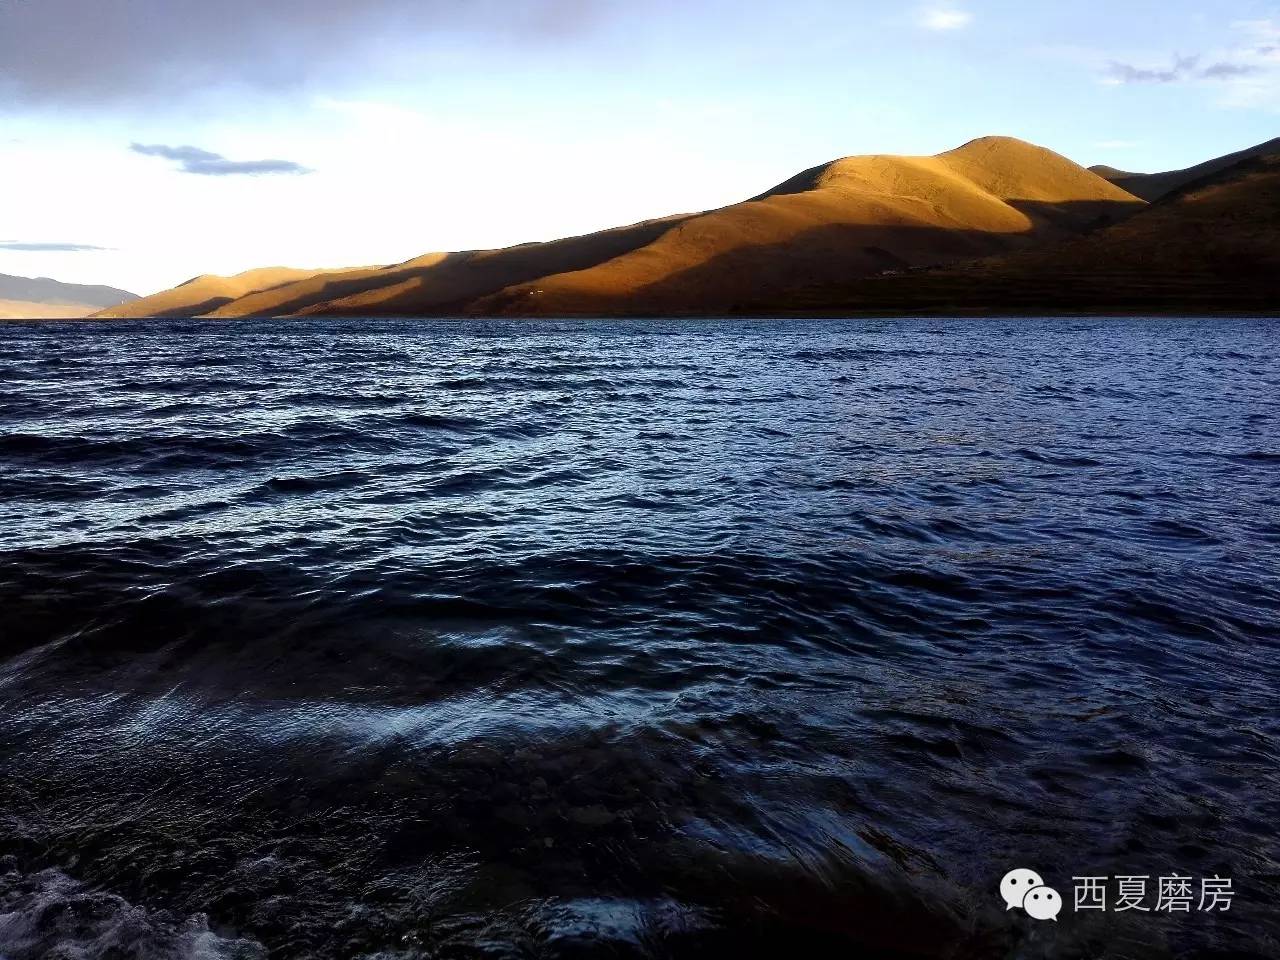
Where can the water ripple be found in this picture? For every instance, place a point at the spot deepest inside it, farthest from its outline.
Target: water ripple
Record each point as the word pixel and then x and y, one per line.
pixel 654 639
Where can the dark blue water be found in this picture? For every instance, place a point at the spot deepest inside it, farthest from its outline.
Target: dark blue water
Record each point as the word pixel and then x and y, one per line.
pixel 659 639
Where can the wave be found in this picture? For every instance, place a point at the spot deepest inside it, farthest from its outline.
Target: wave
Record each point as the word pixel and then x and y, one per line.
pixel 48 914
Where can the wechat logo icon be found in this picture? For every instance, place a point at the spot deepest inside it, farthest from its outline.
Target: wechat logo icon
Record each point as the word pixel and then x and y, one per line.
pixel 1025 888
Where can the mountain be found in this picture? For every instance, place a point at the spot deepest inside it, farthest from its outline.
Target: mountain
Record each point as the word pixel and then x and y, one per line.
pixel 852 217
pixel 23 298
pixel 440 283
pixel 1153 186
pixel 204 294
pixel 1211 246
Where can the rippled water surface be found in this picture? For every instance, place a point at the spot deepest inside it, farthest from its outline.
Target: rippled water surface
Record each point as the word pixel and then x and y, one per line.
pixel 446 639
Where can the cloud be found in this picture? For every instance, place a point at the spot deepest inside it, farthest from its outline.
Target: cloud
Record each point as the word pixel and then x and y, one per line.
pixel 1249 74
pixel 29 246
pixel 1225 70
pixel 208 164
pixel 1247 71
pixel 88 52
pixel 1182 68
pixel 943 17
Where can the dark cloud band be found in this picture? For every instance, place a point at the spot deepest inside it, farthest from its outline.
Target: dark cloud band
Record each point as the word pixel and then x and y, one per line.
pixel 98 51
pixel 208 164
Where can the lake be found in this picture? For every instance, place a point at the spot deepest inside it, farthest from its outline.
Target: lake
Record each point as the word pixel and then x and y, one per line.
pixel 405 639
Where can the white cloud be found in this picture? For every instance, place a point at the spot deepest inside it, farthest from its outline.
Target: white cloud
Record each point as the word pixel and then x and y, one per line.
pixel 943 17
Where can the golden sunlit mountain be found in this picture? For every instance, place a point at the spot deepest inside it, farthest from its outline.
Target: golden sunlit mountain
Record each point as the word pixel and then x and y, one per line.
pixel 854 217
pixel 204 294
pixel 1210 246
pixel 444 282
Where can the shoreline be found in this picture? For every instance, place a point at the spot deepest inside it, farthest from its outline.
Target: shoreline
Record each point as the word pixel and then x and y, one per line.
pixel 1046 314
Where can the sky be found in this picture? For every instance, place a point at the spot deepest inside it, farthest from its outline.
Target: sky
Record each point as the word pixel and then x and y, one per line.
pixel 143 142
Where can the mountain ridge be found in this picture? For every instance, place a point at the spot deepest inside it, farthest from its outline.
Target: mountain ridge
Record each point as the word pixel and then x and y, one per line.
pixel 206 292
pixel 1153 186
pixel 852 216
pixel 43 298
pixel 1211 245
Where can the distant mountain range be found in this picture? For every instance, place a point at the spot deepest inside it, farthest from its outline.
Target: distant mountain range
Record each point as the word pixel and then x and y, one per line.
pixel 39 298
pixel 997 224
pixel 1153 186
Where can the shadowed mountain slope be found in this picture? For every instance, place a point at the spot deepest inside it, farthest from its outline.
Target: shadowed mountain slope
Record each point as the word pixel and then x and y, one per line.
pixel 1153 186
pixel 1211 246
